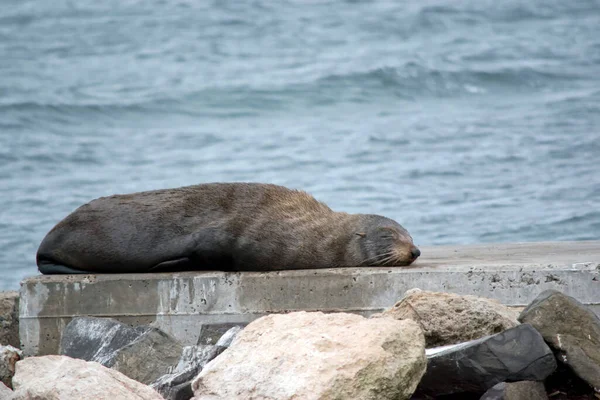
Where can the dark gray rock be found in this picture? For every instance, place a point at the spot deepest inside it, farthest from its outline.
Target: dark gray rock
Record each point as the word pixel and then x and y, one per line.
pixel 97 339
pixel 177 384
pixel 9 319
pixel 9 356
pixel 571 329
pixel 211 333
pixel 563 384
pixel 142 353
pixel 517 354
pixel 524 390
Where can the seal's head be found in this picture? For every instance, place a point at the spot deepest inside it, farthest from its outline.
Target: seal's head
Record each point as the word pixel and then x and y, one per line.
pixel 385 242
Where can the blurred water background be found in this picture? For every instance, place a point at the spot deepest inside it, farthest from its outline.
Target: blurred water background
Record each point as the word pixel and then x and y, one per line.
pixel 467 121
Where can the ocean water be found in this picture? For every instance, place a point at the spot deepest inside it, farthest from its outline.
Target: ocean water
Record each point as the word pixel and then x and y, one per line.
pixel 467 121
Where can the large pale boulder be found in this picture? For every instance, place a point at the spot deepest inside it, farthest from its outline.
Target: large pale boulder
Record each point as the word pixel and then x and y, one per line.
pixel 571 329
pixel 8 358
pixel 5 391
pixel 317 356
pixel 448 318
pixel 9 319
pixel 65 378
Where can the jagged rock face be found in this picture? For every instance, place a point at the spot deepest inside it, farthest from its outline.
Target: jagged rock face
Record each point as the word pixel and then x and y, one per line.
pixel 65 378
pixel 448 318
pixel 178 384
pixel 517 354
pixel 212 333
pixel 524 390
pixel 142 353
pixel 305 355
pixel 9 319
pixel 571 329
pixel 8 358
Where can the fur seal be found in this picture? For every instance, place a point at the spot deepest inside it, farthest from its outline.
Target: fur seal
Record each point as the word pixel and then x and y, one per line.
pixel 222 226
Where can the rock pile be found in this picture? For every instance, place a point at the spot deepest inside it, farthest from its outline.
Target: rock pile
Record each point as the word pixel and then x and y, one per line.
pixel 428 345
pixel 143 353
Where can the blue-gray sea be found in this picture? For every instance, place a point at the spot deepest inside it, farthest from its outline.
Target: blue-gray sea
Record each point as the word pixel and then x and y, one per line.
pixel 467 121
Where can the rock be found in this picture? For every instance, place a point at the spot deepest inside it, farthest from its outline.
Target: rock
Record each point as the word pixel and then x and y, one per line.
pixel 227 338
pixel 524 390
pixel 563 384
pixel 314 355
pixel 142 353
pixel 178 384
pixel 517 354
pixel 448 318
pixel 65 378
pixel 8 358
pixel 9 319
pixel 149 357
pixel 211 333
pixel 571 329
pixel 97 339
pixel 5 392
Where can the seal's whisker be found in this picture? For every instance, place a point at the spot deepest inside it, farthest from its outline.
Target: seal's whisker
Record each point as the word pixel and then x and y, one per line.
pixel 388 259
pixel 394 256
pixel 378 257
pixel 375 257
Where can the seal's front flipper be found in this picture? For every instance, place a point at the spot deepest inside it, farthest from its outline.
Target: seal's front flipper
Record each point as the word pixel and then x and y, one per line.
pixel 209 248
pixel 179 264
pixel 205 248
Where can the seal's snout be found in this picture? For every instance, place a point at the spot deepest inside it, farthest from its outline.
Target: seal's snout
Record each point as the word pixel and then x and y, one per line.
pixel 415 252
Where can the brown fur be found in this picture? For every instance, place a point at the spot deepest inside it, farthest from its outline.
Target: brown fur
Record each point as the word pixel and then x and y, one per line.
pixel 228 226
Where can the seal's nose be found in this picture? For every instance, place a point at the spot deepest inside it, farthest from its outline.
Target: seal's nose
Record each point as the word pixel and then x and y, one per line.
pixel 415 252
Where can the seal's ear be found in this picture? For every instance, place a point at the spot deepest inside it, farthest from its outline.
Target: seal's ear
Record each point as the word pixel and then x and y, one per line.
pixel 361 234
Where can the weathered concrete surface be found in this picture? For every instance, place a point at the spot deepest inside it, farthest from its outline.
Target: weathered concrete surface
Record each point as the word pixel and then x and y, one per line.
pixel 180 303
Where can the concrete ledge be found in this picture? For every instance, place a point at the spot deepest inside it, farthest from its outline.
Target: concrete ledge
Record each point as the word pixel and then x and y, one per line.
pixel 182 303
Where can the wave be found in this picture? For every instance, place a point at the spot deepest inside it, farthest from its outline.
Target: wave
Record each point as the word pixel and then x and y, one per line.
pixel 511 11
pixel 413 79
pixel 410 81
